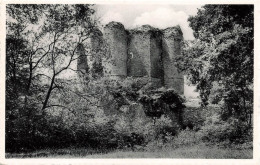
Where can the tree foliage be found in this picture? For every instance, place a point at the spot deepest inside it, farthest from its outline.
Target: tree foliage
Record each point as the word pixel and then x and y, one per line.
pixel 41 46
pixel 220 59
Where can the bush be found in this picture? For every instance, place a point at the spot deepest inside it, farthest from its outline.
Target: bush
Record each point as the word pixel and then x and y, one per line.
pixel 193 117
pixel 92 115
pixel 161 133
pixel 185 137
pixel 216 130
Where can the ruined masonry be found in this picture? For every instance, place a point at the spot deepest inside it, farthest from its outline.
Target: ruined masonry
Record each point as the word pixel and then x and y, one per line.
pixel 143 52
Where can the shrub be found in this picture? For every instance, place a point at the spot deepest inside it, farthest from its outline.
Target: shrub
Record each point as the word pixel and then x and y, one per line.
pixel 193 117
pixel 185 137
pixel 162 101
pixel 216 130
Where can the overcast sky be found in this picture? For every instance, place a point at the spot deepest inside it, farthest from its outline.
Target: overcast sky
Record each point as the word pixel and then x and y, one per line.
pixel 160 16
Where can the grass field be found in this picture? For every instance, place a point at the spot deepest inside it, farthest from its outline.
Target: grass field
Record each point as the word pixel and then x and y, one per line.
pixel 197 151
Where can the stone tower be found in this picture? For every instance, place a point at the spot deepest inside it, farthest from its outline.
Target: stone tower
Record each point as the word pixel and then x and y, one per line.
pixel 171 45
pixel 96 49
pixel 115 61
pixel 144 54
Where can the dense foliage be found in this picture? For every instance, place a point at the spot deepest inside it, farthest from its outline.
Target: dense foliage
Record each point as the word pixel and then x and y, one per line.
pixel 41 45
pixel 220 59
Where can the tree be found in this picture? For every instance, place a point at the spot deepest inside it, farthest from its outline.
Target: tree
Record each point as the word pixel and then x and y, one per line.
pixel 42 43
pixel 220 59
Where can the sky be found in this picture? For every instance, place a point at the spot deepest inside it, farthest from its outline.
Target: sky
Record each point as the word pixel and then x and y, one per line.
pixel 159 16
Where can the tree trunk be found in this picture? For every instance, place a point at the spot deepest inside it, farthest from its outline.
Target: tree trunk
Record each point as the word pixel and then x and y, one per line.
pixel 48 93
pixel 30 79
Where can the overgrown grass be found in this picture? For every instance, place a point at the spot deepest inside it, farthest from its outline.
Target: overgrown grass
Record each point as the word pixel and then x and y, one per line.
pixel 198 151
pixel 53 153
pixel 186 152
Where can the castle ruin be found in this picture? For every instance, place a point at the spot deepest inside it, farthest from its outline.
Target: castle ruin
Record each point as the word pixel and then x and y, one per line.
pixel 143 52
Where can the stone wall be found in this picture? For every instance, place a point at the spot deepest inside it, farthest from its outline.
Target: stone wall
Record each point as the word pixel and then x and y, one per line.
pixel 82 62
pixel 115 61
pixel 138 64
pixel 171 45
pixel 156 58
pixel 144 52
pixel 96 51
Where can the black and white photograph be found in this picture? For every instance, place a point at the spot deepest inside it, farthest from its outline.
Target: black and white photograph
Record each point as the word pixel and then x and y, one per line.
pixel 128 81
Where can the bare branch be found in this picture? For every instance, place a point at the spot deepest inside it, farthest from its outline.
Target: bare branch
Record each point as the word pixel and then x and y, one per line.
pixel 37 50
pixel 71 59
pixel 76 70
pixel 41 74
pixel 52 54
pixel 43 56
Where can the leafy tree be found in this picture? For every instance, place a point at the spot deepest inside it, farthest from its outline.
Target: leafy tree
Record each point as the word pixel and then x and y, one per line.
pixel 220 59
pixel 42 44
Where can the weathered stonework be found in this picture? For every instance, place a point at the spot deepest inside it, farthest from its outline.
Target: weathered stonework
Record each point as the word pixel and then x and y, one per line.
pixel 115 61
pixel 95 57
pixel 143 52
pixel 82 62
pixel 171 45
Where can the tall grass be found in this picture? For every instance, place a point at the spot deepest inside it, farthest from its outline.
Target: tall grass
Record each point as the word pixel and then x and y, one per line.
pixel 198 151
